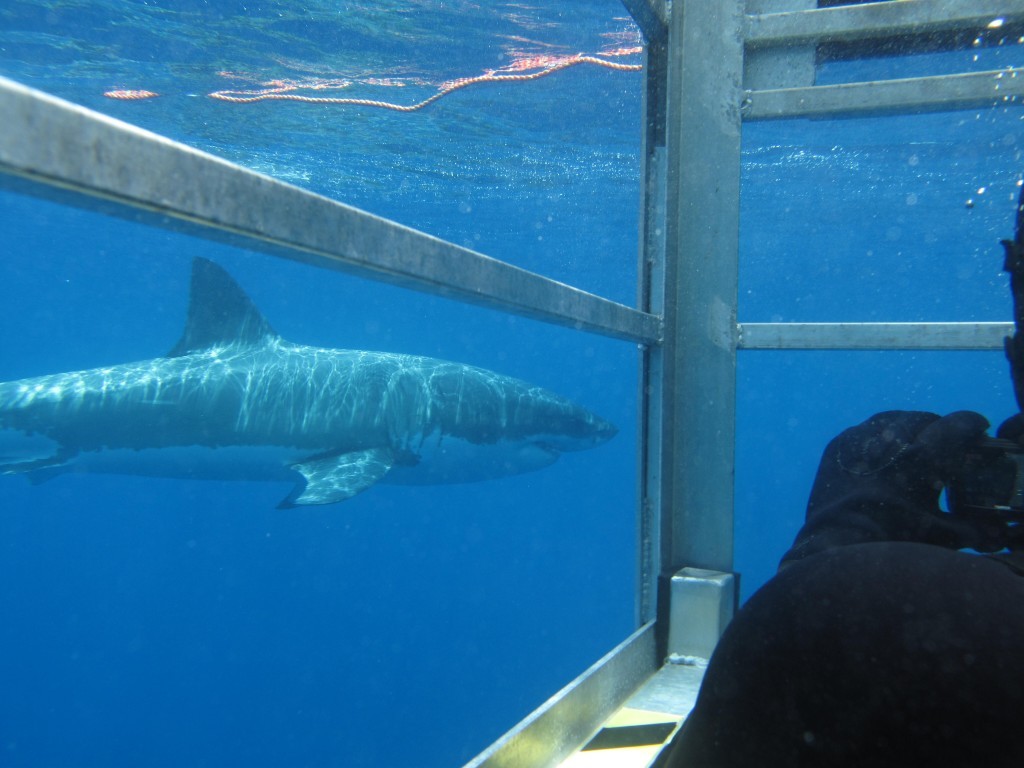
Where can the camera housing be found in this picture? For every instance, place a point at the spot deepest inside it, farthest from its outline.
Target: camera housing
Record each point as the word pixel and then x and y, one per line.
pixel 991 481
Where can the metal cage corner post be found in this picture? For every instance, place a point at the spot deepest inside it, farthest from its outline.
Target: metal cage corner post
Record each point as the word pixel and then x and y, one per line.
pixel 701 266
pixel 725 64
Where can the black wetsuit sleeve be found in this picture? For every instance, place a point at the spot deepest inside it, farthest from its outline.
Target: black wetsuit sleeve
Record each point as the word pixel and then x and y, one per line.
pixel 866 518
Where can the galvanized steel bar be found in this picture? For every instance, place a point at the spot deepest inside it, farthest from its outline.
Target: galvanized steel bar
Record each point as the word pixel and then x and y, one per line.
pixel 935 336
pixel 705 69
pixel 877 20
pixel 651 298
pixel 918 94
pixel 572 715
pixel 55 149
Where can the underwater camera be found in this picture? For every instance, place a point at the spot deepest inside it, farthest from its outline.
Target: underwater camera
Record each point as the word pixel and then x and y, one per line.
pixel 991 480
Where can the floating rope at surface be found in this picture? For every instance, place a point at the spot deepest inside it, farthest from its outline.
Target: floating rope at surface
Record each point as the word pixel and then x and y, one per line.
pixel 282 93
pixel 129 95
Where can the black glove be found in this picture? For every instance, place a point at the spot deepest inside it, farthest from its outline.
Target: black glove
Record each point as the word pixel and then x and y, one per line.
pixel 881 481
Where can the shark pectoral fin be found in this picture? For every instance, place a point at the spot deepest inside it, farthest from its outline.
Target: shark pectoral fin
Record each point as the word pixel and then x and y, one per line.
pixel 39 470
pixel 40 476
pixel 334 478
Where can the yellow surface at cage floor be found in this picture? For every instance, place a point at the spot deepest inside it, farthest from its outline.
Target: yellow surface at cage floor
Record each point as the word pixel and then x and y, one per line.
pixel 631 738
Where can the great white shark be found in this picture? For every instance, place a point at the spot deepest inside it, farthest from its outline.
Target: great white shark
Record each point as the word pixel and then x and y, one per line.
pixel 233 400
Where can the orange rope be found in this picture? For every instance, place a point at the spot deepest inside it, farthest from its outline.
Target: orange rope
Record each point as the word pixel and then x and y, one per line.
pixel 282 93
pixel 128 95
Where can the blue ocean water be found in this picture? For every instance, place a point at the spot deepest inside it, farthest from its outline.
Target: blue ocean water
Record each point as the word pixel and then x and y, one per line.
pixel 171 623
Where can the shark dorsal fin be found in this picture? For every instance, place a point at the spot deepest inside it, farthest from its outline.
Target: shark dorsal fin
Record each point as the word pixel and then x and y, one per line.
pixel 219 312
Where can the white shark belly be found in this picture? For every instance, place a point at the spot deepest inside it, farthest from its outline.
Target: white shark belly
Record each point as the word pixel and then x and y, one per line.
pixel 442 459
pixel 196 462
pixel 437 459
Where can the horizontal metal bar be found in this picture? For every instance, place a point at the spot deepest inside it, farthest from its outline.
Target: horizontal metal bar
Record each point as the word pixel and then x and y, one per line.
pixel 571 716
pixel 58 150
pixel 937 336
pixel 917 94
pixel 651 16
pixel 876 20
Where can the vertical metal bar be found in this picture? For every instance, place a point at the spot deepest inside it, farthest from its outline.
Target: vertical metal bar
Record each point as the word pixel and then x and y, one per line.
pixel 651 298
pixel 705 69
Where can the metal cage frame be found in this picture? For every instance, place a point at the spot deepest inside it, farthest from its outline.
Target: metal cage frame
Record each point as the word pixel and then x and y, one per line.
pixel 698 90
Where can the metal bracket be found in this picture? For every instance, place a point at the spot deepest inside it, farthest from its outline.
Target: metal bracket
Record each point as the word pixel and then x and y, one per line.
pixel 702 605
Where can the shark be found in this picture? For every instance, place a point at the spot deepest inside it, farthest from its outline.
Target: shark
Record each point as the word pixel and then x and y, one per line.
pixel 233 400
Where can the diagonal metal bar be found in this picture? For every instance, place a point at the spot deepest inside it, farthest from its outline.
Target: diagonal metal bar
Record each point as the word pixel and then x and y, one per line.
pixel 571 716
pixel 58 150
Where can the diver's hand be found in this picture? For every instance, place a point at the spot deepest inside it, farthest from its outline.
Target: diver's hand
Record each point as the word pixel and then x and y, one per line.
pixel 899 455
pixel 881 481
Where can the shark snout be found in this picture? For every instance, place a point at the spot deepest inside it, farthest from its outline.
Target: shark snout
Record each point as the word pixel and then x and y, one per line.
pixel 603 431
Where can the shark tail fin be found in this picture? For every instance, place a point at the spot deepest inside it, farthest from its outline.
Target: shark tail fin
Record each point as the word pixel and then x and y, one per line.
pixel 219 312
